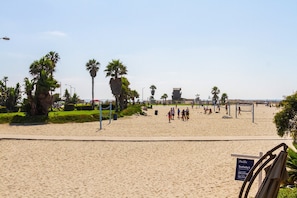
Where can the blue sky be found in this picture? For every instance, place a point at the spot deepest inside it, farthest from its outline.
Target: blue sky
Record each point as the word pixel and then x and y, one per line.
pixel 248 48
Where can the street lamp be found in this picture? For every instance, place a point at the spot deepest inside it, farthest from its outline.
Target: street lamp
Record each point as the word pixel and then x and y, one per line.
pixel 5 38
pixel 142 93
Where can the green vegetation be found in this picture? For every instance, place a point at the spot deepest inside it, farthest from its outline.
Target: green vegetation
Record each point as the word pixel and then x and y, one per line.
pixel 286 119
pixel 287 193
pixel 292 165
pixel 77 116
pixel 286 123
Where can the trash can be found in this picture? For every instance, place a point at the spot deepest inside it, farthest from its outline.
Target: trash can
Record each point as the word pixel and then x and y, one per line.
pixel 156 112
pixel 115 116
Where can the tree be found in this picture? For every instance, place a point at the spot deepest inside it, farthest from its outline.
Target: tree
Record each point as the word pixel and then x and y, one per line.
pixel 134 94
pixel 67 96
pixel 125 93
pixel 115 70
pixel 286 119
pixel 5 79
pixel 197 99
pixel 54 58
pixel 153 88
pixel 224 98
pixel 215 92
pixel 93 67
pixel 13 97
pixel 43 82
pixel 164 96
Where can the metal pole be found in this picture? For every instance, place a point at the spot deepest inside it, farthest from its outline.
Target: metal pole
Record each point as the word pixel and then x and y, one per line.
pixel 142 93
pixel 236 110
pixel 110 109
pixel 100 117
pixel 253 110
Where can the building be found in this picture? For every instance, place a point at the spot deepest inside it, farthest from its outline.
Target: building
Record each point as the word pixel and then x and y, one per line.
pixel 176 94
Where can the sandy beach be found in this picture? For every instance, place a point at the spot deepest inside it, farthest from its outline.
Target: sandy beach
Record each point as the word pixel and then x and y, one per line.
pixel 46 168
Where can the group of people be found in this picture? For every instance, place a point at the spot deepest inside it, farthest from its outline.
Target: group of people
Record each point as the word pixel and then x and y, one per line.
pixel 184 114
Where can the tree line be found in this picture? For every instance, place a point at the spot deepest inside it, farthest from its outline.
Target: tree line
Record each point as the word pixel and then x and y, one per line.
pixel 40 87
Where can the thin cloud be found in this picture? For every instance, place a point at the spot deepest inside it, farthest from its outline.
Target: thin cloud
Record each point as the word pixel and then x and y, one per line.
pixel 56 34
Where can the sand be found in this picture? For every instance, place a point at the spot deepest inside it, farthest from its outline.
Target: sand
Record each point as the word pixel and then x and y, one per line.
pixel 38 168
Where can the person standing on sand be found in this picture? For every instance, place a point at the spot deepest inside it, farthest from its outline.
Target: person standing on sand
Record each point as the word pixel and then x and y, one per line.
pixel 172 113
pixel 226 107
pixel 178 113
pixel 169 115
pixel 239 110
pixel 187 113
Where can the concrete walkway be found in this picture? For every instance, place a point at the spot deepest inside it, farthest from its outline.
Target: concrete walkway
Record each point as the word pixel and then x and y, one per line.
pixel 139 139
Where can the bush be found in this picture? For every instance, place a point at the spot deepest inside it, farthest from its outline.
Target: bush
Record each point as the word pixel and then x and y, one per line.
pixel 287 193
pixel 74 118
pixel 84 107
pixel 41 119
pixel 69 107
pixel 3 109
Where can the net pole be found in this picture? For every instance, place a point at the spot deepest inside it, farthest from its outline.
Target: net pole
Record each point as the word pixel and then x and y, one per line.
pixel 100 116
pixel 236 110
pixel 110 109
pixel 253 110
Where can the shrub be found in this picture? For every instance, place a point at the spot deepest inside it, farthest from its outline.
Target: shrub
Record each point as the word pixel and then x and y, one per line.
pixel 3 109
pixel 84 107
pixel 68 107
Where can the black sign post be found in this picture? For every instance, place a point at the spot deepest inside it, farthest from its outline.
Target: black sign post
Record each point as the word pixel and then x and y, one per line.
pixel 243 167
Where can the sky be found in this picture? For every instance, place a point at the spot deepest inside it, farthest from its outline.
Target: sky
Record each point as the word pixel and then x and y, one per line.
pixel 246 48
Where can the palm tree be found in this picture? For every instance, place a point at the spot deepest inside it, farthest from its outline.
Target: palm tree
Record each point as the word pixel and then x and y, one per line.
pixel 43 82
pixel 215 92
pixel 5 79
pixel 153 88
pixel 164 96
pixel 224 98
pixel 115 70
pixel 93 67
pixel 134 94
pixel 54 58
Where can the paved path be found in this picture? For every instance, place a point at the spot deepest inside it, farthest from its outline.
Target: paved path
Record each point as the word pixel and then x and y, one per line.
pixel 138 139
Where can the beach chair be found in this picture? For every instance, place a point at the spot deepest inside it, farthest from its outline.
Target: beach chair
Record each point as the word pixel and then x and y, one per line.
pixel 275 173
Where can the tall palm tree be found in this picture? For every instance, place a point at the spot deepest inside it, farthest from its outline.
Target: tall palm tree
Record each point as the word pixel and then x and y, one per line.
pixel 93 67
pixel 153 88
pixel 215 92
pixel 115 70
